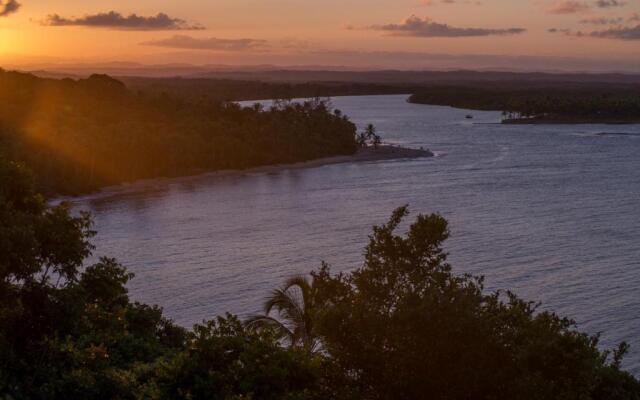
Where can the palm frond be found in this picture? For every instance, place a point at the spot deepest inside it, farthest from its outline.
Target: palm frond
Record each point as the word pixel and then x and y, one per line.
pixel 290 311
pixel 259 322
pixel 289 306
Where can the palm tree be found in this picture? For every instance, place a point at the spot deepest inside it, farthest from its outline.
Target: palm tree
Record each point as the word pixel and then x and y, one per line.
pixel 361 139
pixel 370 131
pixel 295 309
pixel 377 141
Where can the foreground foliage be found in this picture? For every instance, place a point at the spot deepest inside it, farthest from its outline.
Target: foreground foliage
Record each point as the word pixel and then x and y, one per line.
pixel 68 333
pixel 402 326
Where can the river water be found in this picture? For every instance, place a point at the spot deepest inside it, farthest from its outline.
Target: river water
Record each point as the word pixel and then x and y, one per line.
pixel 550 212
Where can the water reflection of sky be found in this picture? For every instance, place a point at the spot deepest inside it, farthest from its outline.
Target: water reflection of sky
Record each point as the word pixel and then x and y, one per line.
pixel 548 211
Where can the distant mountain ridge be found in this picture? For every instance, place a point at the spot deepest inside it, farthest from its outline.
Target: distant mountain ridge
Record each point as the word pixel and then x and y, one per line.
pixel 313 73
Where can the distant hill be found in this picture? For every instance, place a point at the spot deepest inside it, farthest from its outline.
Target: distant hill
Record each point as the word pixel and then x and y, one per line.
pixel 271 73
pixel 461 77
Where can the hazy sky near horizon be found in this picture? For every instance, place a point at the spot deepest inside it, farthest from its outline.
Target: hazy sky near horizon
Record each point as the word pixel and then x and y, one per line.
pixel 375 33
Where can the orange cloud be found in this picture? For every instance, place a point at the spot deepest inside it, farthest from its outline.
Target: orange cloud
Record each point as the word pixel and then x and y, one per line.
pixel 567 7
pixel 417 27
pixel 192 43
pixel 115 20
pixel 10 7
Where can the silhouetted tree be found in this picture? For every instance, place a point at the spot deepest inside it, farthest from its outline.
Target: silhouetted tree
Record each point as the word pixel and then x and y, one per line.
pixel 370 131
pixel 296 310
pixel 225 360
pixel 368 136
pixel 403 326
pixel 377 141
pixel 361 140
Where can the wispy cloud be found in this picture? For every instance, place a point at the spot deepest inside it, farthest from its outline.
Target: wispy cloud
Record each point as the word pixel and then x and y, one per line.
pixel 192 43
pixel 435 2
pixel 556 30
pixel 610 3
pixel 567 7
pixel 621 33
pixel 9 7
pixel 115 20
pixel 580 6
pixel 602 20
pixel 417 27
pixel 616 33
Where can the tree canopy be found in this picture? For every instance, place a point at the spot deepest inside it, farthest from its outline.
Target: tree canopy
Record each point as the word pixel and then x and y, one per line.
pixel 561 104
pixel 403 325
pixel 78 136
pixel 69 332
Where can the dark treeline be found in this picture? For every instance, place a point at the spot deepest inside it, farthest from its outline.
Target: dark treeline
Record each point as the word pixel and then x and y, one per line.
pixel 402 326
pixel 289 84
pixel 521 96
pixel 237 90
pixel 80 135
pixel 552 104
pixel 463 78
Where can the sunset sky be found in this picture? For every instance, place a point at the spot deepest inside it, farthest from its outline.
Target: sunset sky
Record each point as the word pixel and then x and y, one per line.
pixel 589 34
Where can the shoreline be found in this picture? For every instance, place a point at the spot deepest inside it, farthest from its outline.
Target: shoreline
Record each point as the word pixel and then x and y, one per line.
pixel 540 120
pixel 384 152
pixel 548 121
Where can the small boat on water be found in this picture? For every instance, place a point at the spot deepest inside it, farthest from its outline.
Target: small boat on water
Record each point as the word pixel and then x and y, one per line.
pixel 469 116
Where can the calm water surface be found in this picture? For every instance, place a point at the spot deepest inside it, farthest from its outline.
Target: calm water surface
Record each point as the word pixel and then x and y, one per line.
pixel 551 212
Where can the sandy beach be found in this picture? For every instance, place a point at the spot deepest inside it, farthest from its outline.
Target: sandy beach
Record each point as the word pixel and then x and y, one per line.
pixel 382 152
pixel 367 154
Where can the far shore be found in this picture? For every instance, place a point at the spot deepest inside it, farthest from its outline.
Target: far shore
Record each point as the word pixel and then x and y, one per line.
pixel 559 121
pixel 368 154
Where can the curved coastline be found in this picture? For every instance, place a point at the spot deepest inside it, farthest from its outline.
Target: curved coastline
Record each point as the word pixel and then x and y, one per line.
pixel 381 153
pixel 368 154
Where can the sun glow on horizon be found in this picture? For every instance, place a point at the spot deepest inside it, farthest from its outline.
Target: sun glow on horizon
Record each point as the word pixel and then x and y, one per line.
pixel 407 33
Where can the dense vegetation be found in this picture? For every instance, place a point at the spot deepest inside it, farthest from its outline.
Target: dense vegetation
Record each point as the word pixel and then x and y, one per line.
pixel 237 90
pixel 538 105
pixel 77 136
pixel 402 326
pixel 273 84
pixel 68 332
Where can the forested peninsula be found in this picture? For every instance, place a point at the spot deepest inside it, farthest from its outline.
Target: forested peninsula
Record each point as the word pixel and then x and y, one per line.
pixel 80 135
pixel 551 105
